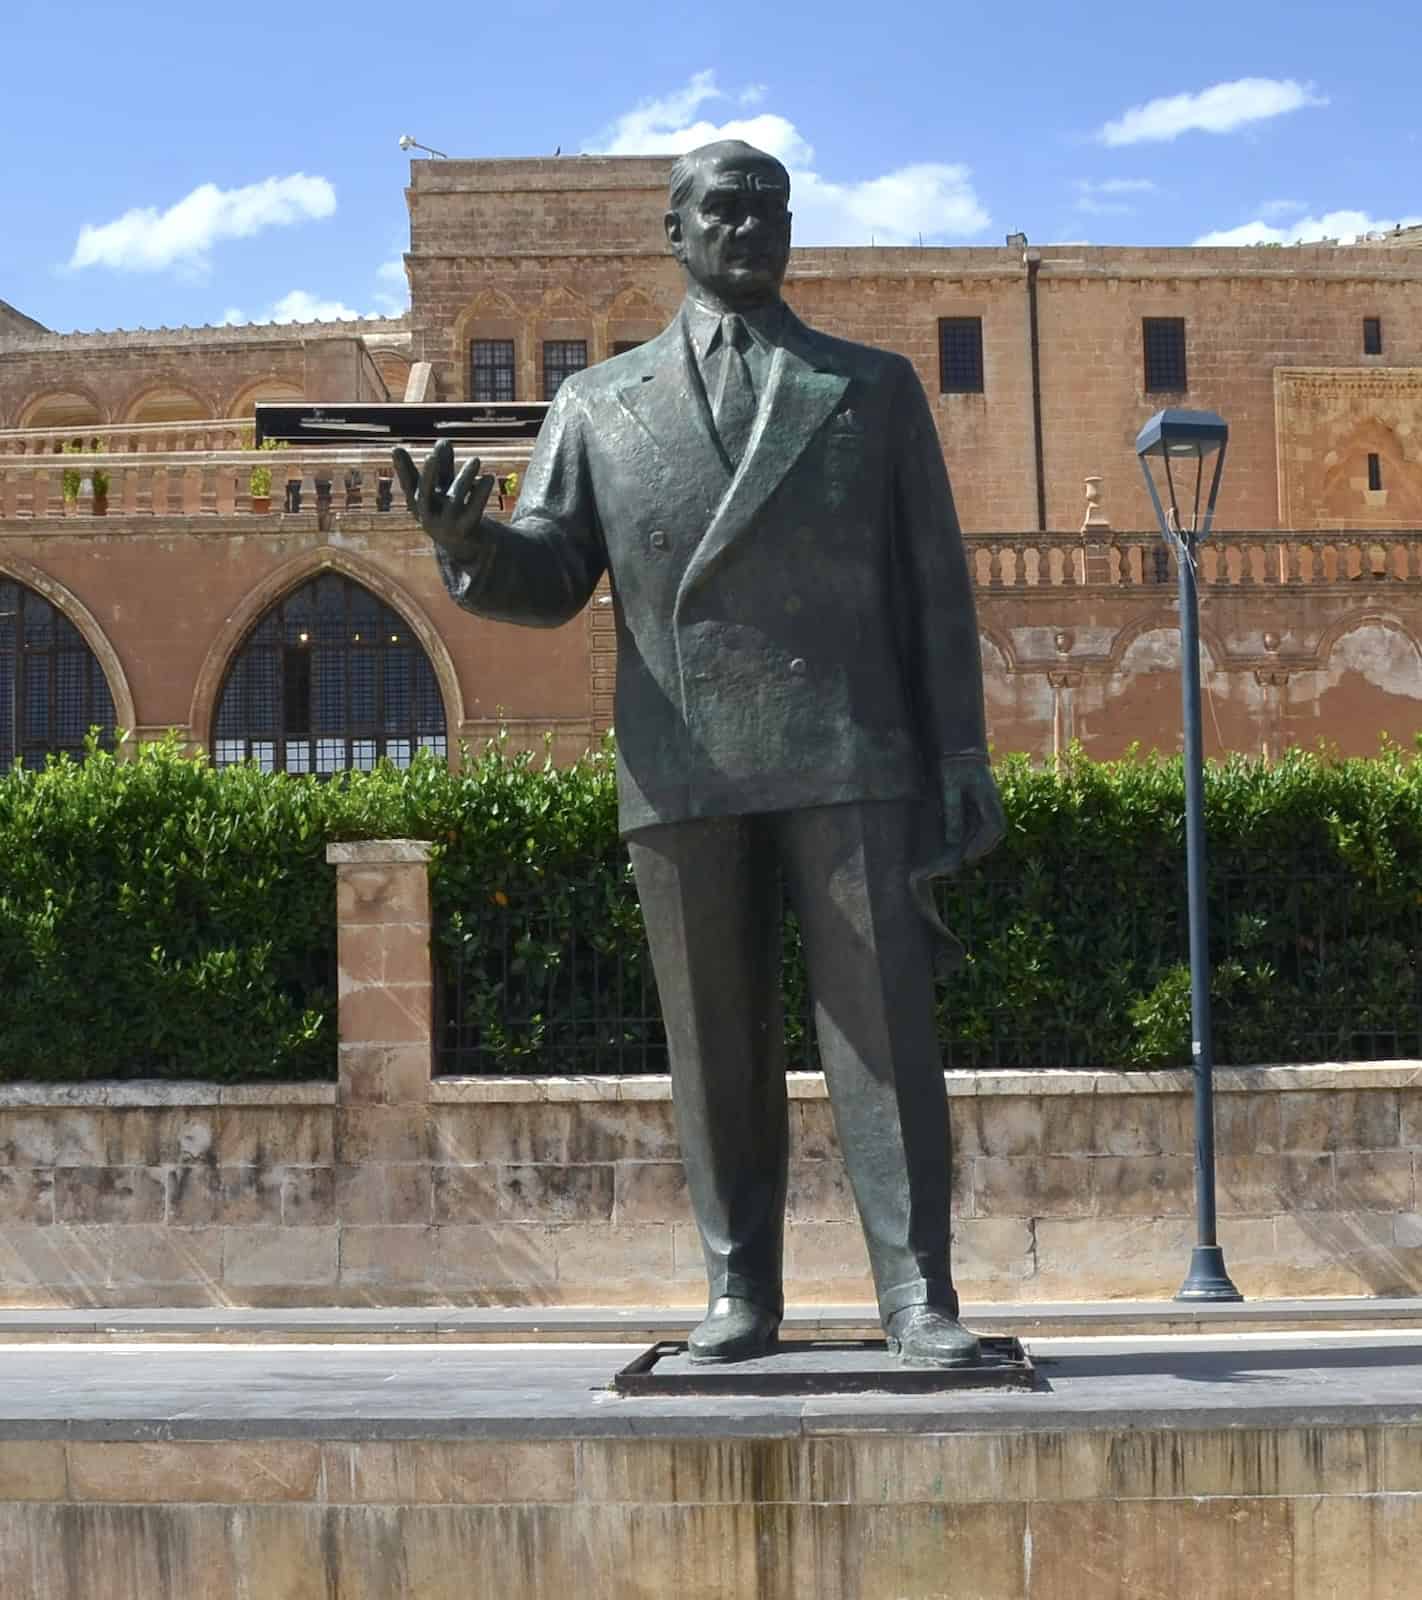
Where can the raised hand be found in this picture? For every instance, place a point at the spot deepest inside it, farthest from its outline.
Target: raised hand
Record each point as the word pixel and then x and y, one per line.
pixel 449 508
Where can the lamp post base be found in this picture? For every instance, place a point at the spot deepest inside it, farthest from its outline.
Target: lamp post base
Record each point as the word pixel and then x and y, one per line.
pixel 1207 1278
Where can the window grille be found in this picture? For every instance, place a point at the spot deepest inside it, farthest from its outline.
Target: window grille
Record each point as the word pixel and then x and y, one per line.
pixel 561 359
pixel 960 355
pixel 330 680
pixel 1164 339
pixel 1372 336
pixel 52 688
pixel 491 363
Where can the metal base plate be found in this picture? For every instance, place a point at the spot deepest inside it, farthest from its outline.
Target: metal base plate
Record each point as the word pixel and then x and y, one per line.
pixel 822 1366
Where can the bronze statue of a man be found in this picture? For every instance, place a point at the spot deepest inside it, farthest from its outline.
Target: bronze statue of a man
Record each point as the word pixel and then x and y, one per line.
pixel 799 713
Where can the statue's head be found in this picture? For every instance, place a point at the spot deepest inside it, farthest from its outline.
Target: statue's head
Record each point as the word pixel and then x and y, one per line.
pixel 728 221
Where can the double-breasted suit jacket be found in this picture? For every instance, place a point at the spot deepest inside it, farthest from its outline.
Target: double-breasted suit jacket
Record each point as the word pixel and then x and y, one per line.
pixel 793 630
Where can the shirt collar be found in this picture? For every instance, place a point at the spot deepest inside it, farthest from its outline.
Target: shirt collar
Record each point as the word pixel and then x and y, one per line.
pixel 704 324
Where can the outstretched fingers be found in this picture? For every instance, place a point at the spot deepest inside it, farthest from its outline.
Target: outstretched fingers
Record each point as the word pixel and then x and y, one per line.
pixel 460 489
pixel 435 478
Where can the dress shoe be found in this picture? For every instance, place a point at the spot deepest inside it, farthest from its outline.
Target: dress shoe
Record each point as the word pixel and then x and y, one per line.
pixel 926 1336
pixel 734 1330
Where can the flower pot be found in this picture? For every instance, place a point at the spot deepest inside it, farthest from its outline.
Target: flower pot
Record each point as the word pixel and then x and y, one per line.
pixel 261 504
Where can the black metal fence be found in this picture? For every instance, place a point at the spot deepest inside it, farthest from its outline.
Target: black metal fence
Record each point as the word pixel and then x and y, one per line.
pixel 1079 968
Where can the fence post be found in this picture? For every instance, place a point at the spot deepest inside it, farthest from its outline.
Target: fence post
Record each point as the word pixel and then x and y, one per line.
pixel 386 985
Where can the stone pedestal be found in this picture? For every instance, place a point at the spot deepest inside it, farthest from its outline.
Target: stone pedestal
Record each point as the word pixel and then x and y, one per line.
pixel 386 987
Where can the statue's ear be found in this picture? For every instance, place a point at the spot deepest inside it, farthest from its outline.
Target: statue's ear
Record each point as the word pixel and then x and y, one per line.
pixel 672 223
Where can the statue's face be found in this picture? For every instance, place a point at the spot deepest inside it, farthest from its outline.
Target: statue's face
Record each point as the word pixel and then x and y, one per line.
pixel 733 234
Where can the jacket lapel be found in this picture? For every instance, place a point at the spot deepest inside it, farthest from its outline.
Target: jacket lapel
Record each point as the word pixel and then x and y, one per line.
pixel 670 404
pixel 799 397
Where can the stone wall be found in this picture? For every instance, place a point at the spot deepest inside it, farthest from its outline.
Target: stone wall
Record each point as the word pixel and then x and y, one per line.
pixel 1297 1511
pixel 388 1187
pixel 1068 1186
pixel 84 379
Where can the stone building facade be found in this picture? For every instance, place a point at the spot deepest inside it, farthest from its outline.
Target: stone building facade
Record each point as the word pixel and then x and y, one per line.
pixel 1040 364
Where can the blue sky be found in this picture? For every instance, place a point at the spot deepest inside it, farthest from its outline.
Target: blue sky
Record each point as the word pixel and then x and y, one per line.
pixel 176 164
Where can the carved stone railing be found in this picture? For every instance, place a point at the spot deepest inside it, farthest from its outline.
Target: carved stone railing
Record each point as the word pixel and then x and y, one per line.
pixel 126 438
pixel 213 482
pixel 190 483
pixel 1230 560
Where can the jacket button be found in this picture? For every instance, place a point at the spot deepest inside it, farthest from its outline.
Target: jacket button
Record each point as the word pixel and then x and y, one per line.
pixel 797 666
pixel 659 540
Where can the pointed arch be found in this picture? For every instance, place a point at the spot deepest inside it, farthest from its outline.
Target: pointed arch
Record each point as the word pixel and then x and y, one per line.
pixel 632 319
pixel 284 580
pixel 1001 643
pixel 69 606
pixel 560 303
pixel 1362 619
pixel 62 405
pixel 166 399
pixel 1164 622
pixel 271 387
pixel 633 302
pixel 494 321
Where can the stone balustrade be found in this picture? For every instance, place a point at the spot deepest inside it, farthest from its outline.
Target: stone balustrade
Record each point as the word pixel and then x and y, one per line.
pixel 211 482
pixel 215 433
pixel 1230 560
pixel 147 481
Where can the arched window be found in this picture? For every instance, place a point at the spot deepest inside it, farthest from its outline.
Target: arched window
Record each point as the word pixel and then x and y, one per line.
pixel 52 688
pixel 331 678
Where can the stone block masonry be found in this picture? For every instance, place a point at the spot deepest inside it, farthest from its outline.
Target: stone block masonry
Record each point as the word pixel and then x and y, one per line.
pixel 389 1189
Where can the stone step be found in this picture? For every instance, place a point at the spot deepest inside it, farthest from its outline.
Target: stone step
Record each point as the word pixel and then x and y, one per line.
pixel 645 1325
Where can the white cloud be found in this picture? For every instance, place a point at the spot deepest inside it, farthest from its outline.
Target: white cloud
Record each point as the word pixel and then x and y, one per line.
pixel 149 240
pixel 298 305
pixel 1089 195
pixel 393 301
pixel 1219 109
pixel 753 94
pixel 1282 208
pixel 927 200
pixel 1344 226
pixel 301 306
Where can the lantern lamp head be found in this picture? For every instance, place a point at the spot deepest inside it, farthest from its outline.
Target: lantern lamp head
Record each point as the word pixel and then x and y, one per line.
pixel 1176 437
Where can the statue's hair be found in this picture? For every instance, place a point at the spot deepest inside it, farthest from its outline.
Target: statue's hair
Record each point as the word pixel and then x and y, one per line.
pixel 688 169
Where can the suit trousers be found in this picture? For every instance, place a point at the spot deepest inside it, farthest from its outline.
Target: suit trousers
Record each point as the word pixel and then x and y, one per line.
pixel 713 892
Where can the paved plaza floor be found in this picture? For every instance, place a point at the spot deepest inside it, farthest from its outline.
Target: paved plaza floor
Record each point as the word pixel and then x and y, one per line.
pixel 180 1390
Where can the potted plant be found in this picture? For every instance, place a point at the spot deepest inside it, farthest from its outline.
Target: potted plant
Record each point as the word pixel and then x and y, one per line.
pixel 259 481
pixel 508 490
pixel 99 479
pixel 71 480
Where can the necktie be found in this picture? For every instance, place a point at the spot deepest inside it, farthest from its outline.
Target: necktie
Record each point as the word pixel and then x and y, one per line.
pixel 735 406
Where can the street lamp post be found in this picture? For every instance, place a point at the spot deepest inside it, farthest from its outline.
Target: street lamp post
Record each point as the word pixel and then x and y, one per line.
pixel 1178 440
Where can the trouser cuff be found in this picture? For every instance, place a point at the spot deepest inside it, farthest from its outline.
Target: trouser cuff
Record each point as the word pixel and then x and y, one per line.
pixel 769 1296
pixel 936 1292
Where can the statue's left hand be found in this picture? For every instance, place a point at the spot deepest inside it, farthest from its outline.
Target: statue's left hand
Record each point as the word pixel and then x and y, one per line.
pixel 973 823
pixel 973 820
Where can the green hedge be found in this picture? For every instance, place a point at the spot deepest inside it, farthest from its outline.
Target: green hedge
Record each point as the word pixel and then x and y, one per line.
pixel 159 918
